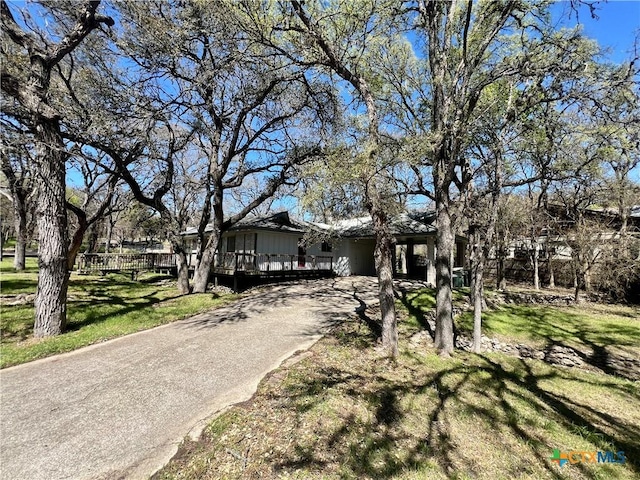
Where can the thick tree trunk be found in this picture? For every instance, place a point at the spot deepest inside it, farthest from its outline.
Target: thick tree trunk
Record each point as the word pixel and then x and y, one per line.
pixel 203 265
pixel 182 268
pixel 552 276
pixel 444 251
pixel 51 294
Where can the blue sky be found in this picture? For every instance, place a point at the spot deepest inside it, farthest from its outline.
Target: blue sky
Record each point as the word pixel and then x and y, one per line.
pixel 616 27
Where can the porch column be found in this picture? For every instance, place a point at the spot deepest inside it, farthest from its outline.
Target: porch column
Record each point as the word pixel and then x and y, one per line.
pixel 410 260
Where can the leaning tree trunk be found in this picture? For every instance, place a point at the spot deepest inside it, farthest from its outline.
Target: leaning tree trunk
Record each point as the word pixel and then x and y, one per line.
pixel 76 241
pixel 51 294
pixel 444 251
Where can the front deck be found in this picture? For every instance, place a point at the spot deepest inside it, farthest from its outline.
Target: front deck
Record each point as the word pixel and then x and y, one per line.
pixel 232 264
pixel 269 265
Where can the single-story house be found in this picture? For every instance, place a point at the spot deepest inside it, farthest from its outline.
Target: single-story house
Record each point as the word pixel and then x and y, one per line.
pixel 277 244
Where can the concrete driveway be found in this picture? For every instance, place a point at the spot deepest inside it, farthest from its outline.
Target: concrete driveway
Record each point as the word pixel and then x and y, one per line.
pixel 119 409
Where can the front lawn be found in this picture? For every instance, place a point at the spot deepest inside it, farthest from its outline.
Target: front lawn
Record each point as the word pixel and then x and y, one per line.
pixel 590 327
pixel 99 308
pixel 343 412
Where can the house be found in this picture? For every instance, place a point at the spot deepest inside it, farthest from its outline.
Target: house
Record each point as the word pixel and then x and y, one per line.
pixel 277 245
pixel 565 243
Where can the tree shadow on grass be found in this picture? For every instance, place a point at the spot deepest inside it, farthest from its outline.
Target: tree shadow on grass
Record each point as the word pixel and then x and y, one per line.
pixel 381 445
pixel 18 285
pixel 418 312
pixel 128 305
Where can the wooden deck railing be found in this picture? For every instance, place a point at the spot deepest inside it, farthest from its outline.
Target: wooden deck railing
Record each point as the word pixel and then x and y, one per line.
pixel 271 262
pixel 115 262
pixel 224 262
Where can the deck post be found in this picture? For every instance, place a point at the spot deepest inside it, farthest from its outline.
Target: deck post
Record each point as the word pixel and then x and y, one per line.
pixel 268 262
pixel 235 266
pixel 291 262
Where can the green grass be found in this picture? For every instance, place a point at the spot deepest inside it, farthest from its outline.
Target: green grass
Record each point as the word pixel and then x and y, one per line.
pixel 99 308
pixel 346 413
pixel 588 327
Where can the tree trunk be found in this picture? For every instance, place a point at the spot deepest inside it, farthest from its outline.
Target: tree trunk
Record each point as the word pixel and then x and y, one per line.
pixel 472 247
pixel 586 274
pixel 576 277
pixel 444 251
pixel 552 276
pixel 53 278
pixel 536 266
pixel 182 266
pixel 501 282
pixel 20 215
pixel 1 240
pixel 477 306
pixel 203 265
pixel 384 269
pixel 182 269
pixel 477 270
pixel 94 234
pixel 107 242
pixel 76 241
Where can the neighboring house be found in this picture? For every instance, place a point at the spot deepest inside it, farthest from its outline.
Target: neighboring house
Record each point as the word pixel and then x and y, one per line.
pixel 277 244
pixel 559 242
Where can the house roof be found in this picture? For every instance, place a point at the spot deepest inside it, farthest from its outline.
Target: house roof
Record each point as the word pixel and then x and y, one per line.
pixel 277 222
pixel 414 223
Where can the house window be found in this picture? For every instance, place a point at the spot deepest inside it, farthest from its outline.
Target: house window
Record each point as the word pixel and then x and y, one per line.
pixel 326 247
pixel 231 244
